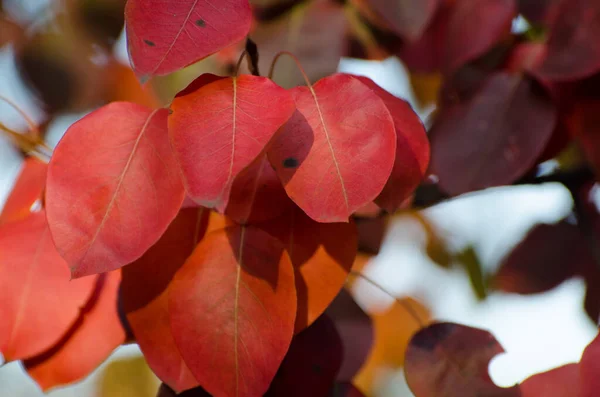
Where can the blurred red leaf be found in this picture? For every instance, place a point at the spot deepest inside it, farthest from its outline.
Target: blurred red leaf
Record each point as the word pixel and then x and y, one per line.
pixel 311 364
pixel 189 31
pixel 38 301
pixel 408 18
pixel 495 137
pixel 322 255
pixel 540 11
pixel 232 308
pixel 257 194
pixel 589 368
pixel 337 151
pixel 489 22
pixel 356 330
pixel 113 187
pixel 559 382
pixel 93 337
pixel 219 126
pixel 145 300
pixel 448 360
pixel 28 189
pixel 583 122
pixel 573 50
pixel 412 150
pixel 346 390
pixel 547 256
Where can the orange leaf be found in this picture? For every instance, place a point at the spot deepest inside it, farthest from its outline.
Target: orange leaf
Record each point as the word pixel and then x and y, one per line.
pixel 337 151
pixel 38 302
pixel 97 332
pixel 145 300
pixel 219 126
pixel 27 190
pixel 113 187
pixel 322 255
pixel 232 307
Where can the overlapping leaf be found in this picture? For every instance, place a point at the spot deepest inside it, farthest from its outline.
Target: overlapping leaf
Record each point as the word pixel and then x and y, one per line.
pixel 94 336
pixel 448 360
pixel 219 126
pixel 38 303
pixel 113 187
pixel 495 137
pixel 145 300
pixel 412 150
pixel 408 18
pixel 232 308
pixel 337 151
pixel 164 36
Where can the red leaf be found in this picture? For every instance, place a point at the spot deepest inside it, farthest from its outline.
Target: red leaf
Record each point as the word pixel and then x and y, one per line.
pixel 346 390
pixel 232 308
pixel 311 364
pixel 113 187
pixel 489 22
pixel 189 30
pixel 219 128
pixel 406 18
pixel 495 137
pixel 589 368
pixel 412 150
pixel 337 151
pixel 540 12
pixel 145 299
pixel 559 382
pixel 39 303
pixel 573 50
pixel 87 344
pixel 257 194
pixel 448 360
pixel 27 190
pixel 322 255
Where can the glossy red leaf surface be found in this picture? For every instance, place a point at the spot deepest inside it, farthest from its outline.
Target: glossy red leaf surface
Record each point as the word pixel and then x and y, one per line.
pixel 408 18
pixel 448 360
pixel 145 300
pixel 257 194
pixel 28 189
pixel 232 308
pixel 311 364
pixel 189 31
pixel 559 382
pixel 572 48
pixel 489 22
pixel 113 187
pixel 412 150
pixel 38 302
pixel 493 138
pixel 89 342
pixel 322 255
pixel 219 127
pixel 337 151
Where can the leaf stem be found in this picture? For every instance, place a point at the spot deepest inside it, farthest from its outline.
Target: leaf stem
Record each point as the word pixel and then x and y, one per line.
pixel 239 63
pixel 401 302
pixel 32 126
pixel 296 60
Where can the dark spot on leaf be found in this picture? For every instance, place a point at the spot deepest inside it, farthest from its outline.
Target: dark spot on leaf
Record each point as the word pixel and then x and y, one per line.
pixel 150 43
pixel 201 23
pixel 430 337
pixel 290 162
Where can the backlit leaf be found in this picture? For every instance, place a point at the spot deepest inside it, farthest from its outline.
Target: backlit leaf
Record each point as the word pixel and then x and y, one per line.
pixel 337 151
pixel 93 337
pixel 145 299
pixel 27 190
pixel 232 308
pixel 113 187
pixel 38 303
pixel 449 360
pixel 311 364
pixel 322 255
pixel 219 126
pixel 164 36
pixel 412 150
pixel 495 137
